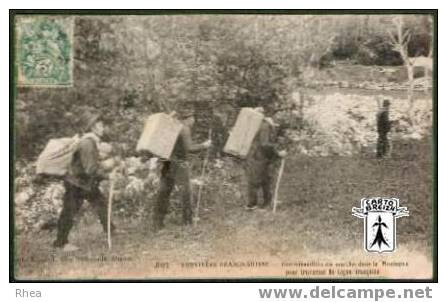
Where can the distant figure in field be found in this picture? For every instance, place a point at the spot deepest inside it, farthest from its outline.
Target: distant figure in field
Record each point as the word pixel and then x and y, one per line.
pixel 383 127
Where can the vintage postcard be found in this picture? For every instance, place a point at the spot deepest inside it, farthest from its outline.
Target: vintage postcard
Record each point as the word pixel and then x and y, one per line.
pixel 201 145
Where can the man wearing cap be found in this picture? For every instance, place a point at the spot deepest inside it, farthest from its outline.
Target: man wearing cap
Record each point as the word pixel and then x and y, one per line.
pixel 383 127
pixel 259 163
pixel 176 172
pixel 82 180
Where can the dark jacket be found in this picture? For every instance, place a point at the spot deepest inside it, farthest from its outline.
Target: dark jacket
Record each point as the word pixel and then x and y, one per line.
pixel 262 153
pixel 85 170
pixel 219 135
pixel 383 122
pixel 184 145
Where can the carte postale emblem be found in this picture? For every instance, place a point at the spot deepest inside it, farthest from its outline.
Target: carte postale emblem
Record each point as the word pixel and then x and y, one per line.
pixel 380 216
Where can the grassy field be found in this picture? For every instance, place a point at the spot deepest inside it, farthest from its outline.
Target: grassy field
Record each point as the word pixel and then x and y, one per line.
pixel 313 222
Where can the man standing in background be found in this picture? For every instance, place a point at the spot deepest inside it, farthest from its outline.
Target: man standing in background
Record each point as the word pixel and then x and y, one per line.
pixel 383 127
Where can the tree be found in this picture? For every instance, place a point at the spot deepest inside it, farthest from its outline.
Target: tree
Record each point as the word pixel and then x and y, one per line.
pixel 399 40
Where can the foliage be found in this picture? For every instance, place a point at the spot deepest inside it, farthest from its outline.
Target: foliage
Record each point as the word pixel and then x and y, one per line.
pixel 345 124
pixel 131 66
pixel 364 39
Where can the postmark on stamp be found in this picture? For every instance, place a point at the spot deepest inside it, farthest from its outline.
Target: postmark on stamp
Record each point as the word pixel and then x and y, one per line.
pixel 45 51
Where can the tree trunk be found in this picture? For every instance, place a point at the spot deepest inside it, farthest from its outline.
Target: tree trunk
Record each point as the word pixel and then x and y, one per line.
pixel 410 90
pixel 301 112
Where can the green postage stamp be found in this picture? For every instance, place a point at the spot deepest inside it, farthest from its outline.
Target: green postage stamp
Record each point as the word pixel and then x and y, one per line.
pixel 45 51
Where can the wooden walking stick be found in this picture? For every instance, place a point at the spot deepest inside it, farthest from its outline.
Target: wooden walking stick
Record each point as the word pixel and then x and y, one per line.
pixel 109 208
pixel 202 174
pixel 278 180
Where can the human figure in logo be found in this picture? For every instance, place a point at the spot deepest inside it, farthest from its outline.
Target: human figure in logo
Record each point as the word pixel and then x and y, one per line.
pixel 379 235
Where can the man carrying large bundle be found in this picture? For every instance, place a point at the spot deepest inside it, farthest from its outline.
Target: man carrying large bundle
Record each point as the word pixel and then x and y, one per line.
pixel 82 179
pixel 175 171
pixel 259 168
pixel 253 138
